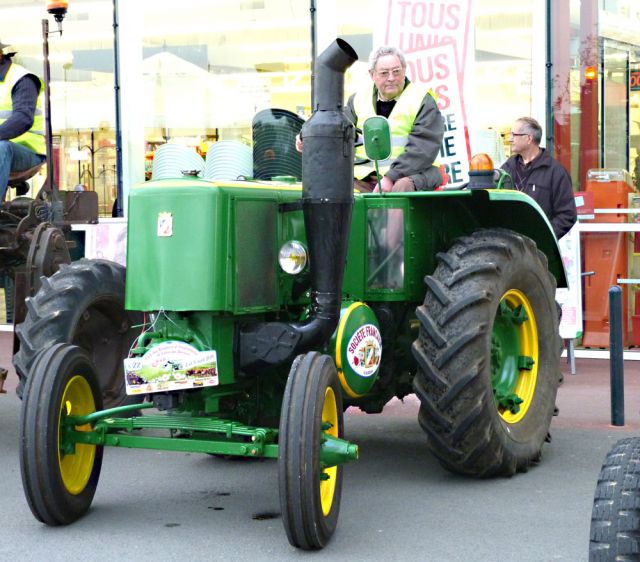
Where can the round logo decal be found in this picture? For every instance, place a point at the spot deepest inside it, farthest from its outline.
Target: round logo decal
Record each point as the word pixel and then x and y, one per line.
pixel 364 350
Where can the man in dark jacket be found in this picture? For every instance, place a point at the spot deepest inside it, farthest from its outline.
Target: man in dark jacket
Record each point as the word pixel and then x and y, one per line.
pixel 540 176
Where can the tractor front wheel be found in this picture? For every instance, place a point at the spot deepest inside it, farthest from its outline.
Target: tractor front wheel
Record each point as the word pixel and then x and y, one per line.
pixel 58 476
pixel 309 492
pixel 488 354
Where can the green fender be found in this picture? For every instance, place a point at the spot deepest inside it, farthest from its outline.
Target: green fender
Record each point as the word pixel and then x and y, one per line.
pixel 438 217
pixel 517 211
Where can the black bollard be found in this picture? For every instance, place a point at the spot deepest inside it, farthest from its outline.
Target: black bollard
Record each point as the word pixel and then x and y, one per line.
pixel 615 356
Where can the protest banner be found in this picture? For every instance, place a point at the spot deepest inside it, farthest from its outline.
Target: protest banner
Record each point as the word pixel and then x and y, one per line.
pixel 415 25
pixel 433 36
pixel 436 69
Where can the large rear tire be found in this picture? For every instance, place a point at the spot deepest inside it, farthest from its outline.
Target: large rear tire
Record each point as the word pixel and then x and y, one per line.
pixel 59 483
pixel 615 519
pixel 488 354
pixel 309 493
pixel 82 304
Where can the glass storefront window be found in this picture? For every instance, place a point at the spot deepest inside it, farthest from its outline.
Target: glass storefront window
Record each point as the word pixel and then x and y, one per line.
pixel 619 21
pixel 200 72
pixel 572 49
pixel 206 69
pixel 615 95
pixel 593 106
pixel 508 56
pixel 82 92
pixel 385 248
pixel 503 74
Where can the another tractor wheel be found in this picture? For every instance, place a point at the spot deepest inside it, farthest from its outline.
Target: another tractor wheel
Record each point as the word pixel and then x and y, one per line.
pixel 309 493
pixel 59 479
pixel 82 304
pixel 488 354
pixel 615 519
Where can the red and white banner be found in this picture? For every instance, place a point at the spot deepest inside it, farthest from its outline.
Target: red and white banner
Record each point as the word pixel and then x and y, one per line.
pixel 414 25
pixel 433 36
pixel 436 69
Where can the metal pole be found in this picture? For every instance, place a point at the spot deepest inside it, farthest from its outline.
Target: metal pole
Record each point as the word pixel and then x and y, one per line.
pixel 93 162
pixel 314 49
pixel 116 87
pixel 550 117
pixel 50 181
pixel 615 356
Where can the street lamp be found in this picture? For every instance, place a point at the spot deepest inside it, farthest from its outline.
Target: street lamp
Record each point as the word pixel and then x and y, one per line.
pixel 58 9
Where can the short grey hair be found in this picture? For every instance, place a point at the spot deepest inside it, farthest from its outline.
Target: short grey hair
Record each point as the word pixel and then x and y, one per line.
pixel 531 127
pixel 383 52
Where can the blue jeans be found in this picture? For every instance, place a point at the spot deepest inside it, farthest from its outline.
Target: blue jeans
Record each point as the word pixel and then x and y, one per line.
pixel 15 158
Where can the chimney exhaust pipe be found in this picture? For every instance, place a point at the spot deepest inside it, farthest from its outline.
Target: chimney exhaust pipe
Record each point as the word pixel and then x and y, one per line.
pixel 327 202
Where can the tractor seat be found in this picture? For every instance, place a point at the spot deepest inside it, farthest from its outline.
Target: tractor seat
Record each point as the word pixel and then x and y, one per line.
pixel 24 175
pixel 19 179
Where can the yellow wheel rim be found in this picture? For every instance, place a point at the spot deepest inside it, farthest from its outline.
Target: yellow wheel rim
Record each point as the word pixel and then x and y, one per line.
pixel 76 468
pixel 329 475
pixel 527 337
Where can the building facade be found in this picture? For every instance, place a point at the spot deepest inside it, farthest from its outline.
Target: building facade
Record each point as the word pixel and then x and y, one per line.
pixel 127 77
pixel 199 71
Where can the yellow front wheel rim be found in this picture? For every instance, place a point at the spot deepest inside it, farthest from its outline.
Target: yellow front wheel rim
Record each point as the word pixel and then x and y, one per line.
pixel 75 469
pixel 329 475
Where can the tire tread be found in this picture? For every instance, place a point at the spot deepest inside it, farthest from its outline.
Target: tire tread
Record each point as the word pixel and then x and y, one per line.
pixel 452 381
pixel 615 517
pixel 56 311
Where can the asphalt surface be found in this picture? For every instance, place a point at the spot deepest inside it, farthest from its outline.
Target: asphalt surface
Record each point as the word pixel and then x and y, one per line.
pixel 397 502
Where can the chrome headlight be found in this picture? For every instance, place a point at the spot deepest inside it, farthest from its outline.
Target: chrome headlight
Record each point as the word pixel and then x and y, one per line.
pixel 292 257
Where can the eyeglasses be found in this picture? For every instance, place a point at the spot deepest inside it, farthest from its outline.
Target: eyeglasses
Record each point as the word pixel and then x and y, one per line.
pixel 396 72
pixel 519 134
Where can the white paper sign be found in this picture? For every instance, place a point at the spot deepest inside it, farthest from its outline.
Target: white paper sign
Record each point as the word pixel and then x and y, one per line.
pixel 571 298
pixel 436 69
pixel 414 25
pixel 433 36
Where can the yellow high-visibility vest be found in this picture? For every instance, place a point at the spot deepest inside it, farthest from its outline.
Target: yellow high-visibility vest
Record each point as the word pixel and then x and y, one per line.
pixel 401 122
pixel 34 137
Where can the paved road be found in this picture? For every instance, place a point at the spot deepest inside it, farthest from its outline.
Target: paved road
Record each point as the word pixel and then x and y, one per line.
pixel 397 504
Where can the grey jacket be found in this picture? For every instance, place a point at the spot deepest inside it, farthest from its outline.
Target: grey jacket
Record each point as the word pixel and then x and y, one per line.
pixel 422 145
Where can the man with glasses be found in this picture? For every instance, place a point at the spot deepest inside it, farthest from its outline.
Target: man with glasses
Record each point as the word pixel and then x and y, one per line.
pixel 417 127
pixel 540 176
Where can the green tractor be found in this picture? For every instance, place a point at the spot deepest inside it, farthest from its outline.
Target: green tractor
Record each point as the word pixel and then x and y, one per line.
pixel 256 312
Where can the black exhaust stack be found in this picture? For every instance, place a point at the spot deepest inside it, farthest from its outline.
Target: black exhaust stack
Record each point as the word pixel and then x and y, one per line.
pixel 327 190
pixel 327 201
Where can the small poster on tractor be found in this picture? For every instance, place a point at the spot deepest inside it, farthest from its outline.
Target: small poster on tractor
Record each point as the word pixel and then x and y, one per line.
pixel 171 365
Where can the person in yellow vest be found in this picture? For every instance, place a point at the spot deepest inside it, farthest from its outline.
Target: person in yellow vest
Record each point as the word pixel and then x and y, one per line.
pixel 22 141
pixel 417 126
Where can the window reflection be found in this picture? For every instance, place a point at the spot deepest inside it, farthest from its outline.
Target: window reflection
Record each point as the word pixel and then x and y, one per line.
pixel 385 248
pixel 207 69
pixel 501 86
pixel 82 107
pixel 211 67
